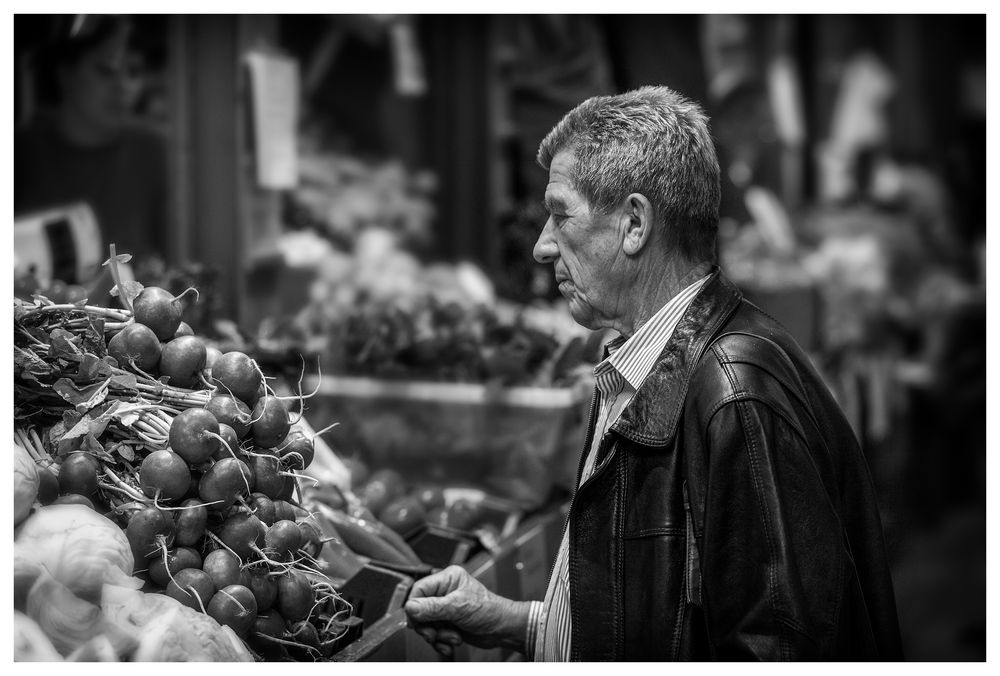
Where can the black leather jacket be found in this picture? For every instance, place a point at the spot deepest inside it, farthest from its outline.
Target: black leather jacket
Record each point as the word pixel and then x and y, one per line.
pixel 730 514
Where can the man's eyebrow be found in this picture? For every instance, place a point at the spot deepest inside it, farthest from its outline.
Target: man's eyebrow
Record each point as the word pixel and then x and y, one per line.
pixel 553 204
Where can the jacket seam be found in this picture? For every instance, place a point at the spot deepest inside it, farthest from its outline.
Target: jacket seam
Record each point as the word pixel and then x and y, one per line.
pixel 653 532
pixel 743 396
pixel 795 626
pixel 799 392
pixel 619 550
pixel 765 401
pixel 752 456
pixel 682 609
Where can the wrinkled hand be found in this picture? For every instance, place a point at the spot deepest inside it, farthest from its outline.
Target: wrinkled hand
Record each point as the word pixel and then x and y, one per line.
pixel 451 607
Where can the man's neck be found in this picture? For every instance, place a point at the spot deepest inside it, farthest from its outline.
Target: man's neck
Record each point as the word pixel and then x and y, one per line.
pixel 656 288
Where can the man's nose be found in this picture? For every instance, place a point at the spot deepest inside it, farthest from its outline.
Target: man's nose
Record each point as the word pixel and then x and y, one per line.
pixel 545 250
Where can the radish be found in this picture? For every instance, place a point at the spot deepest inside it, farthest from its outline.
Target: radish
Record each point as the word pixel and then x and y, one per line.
pixel 267 477
pixel 295 596
pixel 192 491
pixel 305 635
pixel 269 422
pixel 160 310
pixel 137 346
pixel 236 374
pixel 284 510
pixel 287 487
pixel 223 567
pixel 224 482
pixel 177 560
pixel 271 624
pixel 212 355
pixel 192 587
pixel 194 435
pixel 312 537
pixel 78 474
pixel 181 359
pixel 263 586
pixel 243 533
pixel 229 444
pixel 283 537
pixel 149 530
pixel 183 329
pixel 298 450
pixel 191 522
pixel 164 475
pixel 230 411
pixel 266 637
pixel 263 508
pixel 235 607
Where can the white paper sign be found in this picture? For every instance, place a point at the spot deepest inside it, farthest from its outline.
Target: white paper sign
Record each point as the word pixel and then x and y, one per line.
pixel 274 86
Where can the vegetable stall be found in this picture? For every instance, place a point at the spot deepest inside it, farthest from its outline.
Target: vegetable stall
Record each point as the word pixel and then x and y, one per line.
pixel 173 501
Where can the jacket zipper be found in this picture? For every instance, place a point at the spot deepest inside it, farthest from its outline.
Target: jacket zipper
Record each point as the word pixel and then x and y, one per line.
pixel 579 473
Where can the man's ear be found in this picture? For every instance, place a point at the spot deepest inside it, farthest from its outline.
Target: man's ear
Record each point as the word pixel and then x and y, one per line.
pixel 637 223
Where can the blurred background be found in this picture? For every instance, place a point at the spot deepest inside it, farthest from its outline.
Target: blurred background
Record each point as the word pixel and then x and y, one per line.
pixel 362 190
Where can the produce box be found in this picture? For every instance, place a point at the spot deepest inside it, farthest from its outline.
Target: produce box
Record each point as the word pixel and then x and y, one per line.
pixel 510 442
pixel 377 596
pixel 374 592
pixel 441 547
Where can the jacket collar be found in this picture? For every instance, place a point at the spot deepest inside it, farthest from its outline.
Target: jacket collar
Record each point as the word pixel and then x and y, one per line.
pixel 644 420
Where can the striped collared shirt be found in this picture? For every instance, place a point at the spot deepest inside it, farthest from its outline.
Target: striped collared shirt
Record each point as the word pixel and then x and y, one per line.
pixel 618 378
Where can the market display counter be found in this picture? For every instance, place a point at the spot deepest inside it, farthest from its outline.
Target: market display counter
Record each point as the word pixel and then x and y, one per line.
pixel 517 568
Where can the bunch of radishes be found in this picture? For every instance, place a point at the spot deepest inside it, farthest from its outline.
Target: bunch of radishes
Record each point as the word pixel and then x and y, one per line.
pixel 215 522
pixel 206 495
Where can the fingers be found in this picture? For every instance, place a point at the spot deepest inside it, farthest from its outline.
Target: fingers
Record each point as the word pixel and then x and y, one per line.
pixel 438 584
pixel 431 609
pixel 429 634
pixel 446 642
pixel 443 640
pixel 449 636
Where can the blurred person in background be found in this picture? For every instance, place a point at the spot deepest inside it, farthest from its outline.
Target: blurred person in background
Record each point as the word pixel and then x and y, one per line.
pixel 724 509
pixel 83 144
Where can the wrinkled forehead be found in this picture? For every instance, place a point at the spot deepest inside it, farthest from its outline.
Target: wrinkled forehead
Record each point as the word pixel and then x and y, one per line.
pixel 561 189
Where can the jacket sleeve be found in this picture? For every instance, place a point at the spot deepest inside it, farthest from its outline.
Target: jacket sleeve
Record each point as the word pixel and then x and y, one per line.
pixel 771 548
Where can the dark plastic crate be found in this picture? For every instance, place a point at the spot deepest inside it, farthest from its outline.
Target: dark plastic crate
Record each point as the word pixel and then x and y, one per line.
pixel 375 592
pixel 442 547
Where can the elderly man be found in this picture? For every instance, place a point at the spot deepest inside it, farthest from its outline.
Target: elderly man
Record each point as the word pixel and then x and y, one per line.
pixel 723 509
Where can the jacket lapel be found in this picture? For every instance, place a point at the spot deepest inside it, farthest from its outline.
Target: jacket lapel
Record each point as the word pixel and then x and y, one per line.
pixel 668 381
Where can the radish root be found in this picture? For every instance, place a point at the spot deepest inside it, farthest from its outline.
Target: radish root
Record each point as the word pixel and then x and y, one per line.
pixel 197 296
pixel 216 540
pixel 229 448
pixel 234 599
pixel 198 597
pixel 204 381
pixel 288 643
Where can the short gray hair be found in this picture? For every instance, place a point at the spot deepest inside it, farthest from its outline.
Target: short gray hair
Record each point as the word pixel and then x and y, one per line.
pixel 651 141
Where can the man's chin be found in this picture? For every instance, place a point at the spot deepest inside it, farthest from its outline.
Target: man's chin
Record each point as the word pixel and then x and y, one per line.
pixel 581 315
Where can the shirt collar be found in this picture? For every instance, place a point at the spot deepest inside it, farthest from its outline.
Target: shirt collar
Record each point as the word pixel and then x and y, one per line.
pixel 633 358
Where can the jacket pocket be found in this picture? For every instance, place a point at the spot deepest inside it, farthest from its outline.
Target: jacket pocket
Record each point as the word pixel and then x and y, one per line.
pixel 655 594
